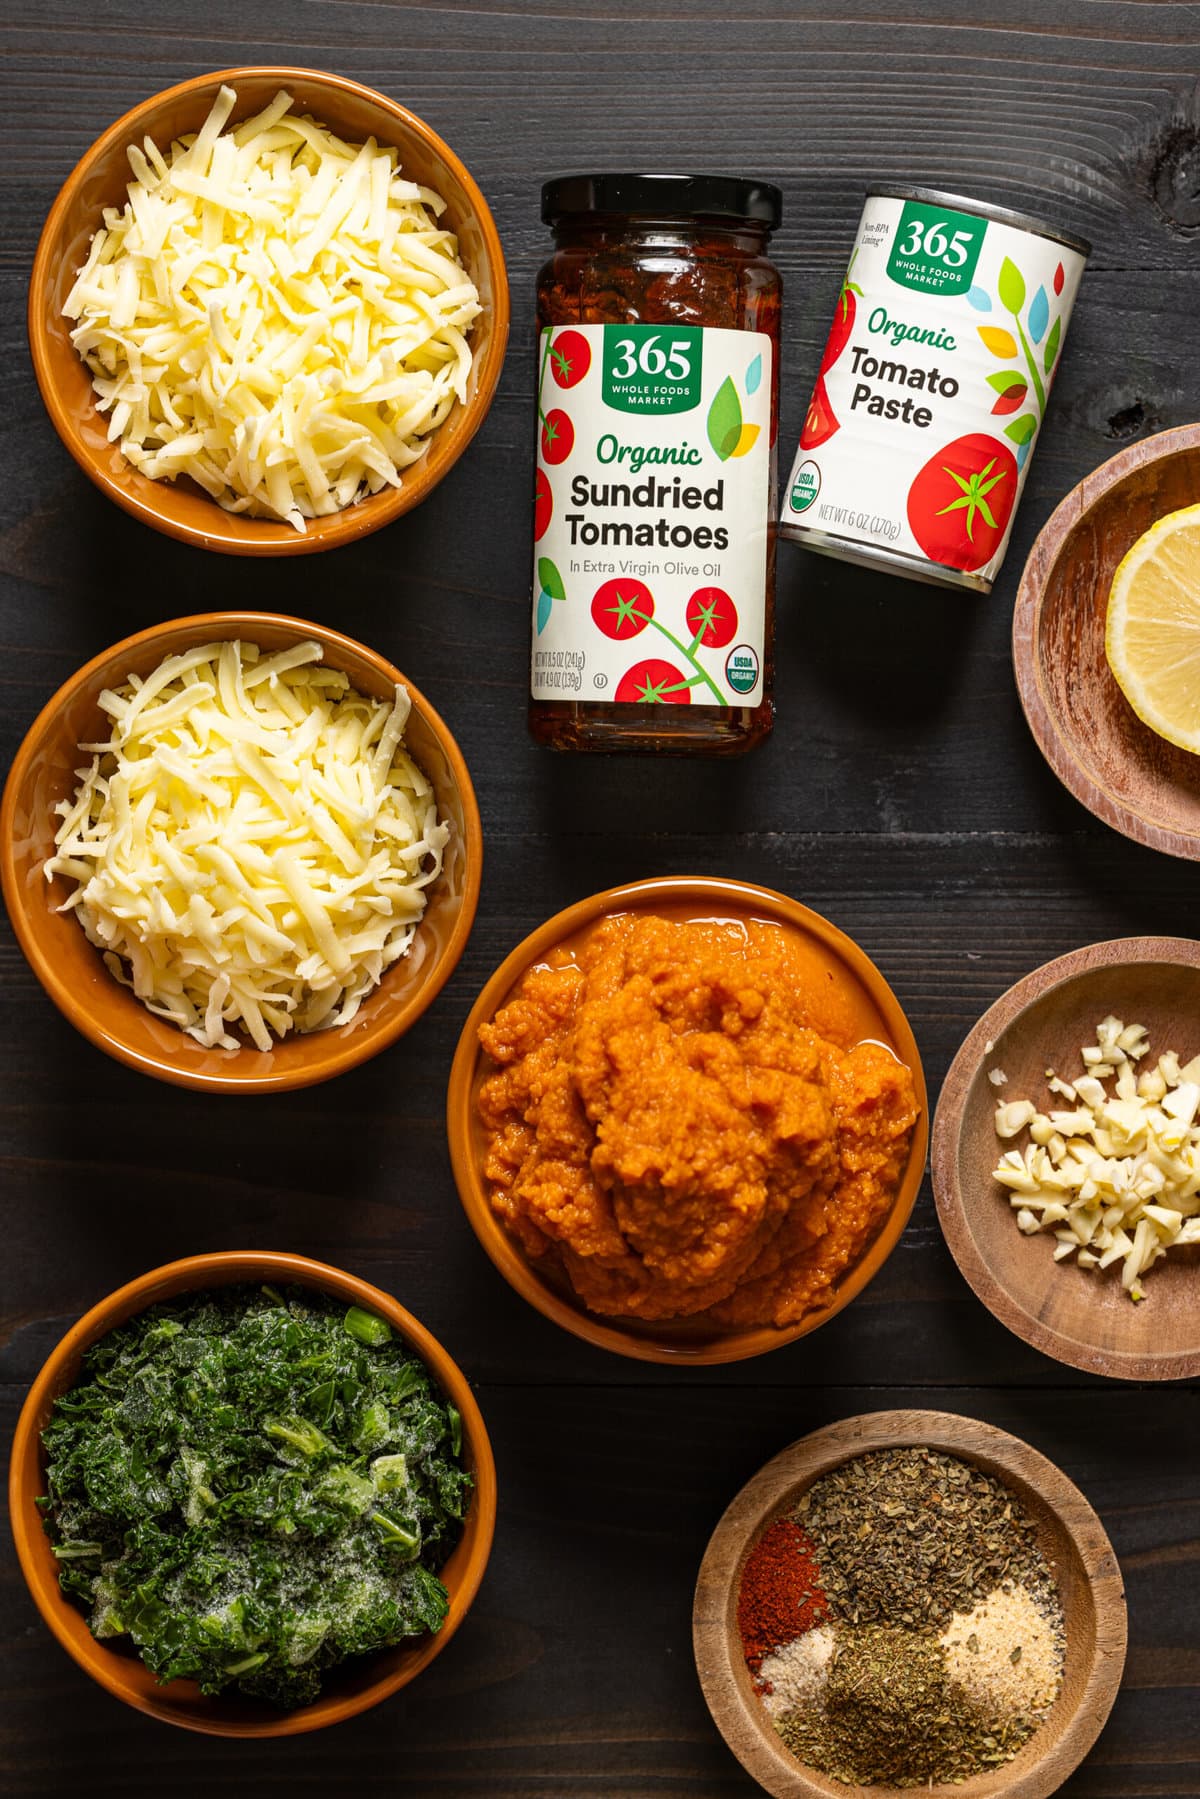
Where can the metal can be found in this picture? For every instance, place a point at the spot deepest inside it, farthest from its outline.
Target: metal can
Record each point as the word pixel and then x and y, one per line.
pixel 933 386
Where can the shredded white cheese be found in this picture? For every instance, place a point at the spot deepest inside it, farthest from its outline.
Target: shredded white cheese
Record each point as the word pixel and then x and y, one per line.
pixel 252 842
pixel 275 313
pixel 1117 1177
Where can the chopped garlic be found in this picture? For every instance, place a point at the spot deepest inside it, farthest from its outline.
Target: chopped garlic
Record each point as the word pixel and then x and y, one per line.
pixel 275 313
pixel 1012 1119
pixel 1118 1178
pixel 251 844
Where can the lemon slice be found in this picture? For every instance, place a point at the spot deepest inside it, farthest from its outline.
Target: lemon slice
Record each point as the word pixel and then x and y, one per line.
pixel 1152 638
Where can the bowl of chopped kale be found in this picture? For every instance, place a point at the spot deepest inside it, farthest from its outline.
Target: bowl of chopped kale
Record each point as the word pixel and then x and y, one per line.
pixel 251 1495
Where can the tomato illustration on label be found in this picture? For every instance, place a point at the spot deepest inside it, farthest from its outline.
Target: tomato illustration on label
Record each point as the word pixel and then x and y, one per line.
pixel 843 320
pixel 712 617
pixel 960 503
pixel 543 505
pixel 570 358
pixel 558 437
pixel 622 609
pixel 819 421
pixel 654 682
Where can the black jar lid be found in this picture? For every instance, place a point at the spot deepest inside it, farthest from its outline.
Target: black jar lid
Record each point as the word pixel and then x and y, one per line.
pixel 663 196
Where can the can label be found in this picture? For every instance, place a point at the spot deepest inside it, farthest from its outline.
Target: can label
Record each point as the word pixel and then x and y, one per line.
pixel 651 514
pixel 933 385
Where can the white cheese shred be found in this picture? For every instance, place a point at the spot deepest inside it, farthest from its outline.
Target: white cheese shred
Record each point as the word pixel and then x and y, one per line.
pixel 274 313
pixel 251 844
pixel 1116 1178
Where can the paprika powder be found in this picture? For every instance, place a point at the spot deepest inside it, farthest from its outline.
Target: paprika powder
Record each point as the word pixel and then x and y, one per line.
pixel 780 1596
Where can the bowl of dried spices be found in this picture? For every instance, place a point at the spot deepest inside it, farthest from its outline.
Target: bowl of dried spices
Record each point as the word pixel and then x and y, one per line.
pixel 910 1599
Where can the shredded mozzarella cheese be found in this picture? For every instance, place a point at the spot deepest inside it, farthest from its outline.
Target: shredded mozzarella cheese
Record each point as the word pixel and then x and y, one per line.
pixel 1117 1178
pixel 275 313
pixel 251 844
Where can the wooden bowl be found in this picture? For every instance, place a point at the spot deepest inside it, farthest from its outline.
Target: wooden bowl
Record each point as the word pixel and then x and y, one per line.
pixel 1079 1317
pixel 351 1688
pixel 694 1340
pixel 180 508
pixel 1071 1537
pixel 1084 726
pixel 73 973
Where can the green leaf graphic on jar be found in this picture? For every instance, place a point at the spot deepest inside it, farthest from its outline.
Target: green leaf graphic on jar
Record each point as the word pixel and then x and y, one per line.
pixel 725 420
pixel 728 433
pixel 550 584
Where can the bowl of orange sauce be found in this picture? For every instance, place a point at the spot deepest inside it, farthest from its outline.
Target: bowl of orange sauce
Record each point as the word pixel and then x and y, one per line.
pixel 687 1119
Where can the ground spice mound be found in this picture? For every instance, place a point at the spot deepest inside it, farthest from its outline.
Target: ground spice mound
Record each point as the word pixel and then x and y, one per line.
pixel 892 1716
pixel 779 1597
pixel 685 1115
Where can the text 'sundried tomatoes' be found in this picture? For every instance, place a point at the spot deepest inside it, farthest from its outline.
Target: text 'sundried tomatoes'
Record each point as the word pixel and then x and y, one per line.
pixel 558 437
pixel 570 357
pixel 712 616
pixel 652 682
pixel 543 505
pixel 622 608
pixel 960 503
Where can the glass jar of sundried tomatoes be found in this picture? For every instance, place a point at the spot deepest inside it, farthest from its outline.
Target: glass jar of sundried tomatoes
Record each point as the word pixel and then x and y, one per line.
pixel 658 378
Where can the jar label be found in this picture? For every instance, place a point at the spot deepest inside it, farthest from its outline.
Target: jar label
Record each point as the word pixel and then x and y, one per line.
pixel 651 514
pixel 933 386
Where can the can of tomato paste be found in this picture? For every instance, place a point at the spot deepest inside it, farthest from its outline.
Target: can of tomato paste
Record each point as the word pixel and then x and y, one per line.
pixel 933 386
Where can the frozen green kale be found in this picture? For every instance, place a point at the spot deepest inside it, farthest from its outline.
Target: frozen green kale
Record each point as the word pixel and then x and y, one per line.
pixel 253 1486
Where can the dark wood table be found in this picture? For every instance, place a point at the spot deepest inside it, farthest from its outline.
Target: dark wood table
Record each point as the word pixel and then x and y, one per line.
pixel 901 795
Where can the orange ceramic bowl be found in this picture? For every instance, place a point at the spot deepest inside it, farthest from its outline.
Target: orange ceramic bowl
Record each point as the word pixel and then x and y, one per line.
pixel 690 1340
pixel 351 1688
pixel 73 973
pixel 180 508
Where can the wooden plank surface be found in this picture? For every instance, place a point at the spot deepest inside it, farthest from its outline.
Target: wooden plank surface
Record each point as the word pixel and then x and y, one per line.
pixel 901 795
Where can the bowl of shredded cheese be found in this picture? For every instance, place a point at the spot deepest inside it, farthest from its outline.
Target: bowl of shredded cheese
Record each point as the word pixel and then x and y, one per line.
pixel 241 852
pixel 268 311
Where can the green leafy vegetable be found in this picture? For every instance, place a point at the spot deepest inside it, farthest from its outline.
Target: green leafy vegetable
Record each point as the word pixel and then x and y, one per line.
pixel 368 1328
pixel 253 1486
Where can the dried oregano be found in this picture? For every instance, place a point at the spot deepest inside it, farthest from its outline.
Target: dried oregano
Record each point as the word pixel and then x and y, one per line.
pixel 911 1536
